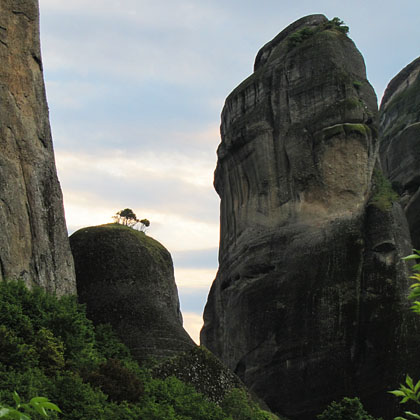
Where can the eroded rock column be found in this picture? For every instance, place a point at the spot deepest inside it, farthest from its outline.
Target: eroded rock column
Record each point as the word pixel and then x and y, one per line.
pixel 309 303
pixel 33 235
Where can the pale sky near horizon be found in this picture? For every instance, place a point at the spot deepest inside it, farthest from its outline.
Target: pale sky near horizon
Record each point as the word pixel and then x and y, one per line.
pixel 135 90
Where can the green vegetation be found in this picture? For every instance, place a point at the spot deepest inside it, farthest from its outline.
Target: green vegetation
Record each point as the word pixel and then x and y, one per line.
pixel 411 391
pixel 383 193
pixel 346 409
pixel 105 234
pixel 415 292
pixel 336 24
pixel 360 129
pixel 357 84
pixel 298 37
pixel 346 129
pixel 238 406
pixel 48 347
pixel 23 411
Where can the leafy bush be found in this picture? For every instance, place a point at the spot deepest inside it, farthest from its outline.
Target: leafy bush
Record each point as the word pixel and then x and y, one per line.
pixel 238 405
pixel 116 381
pixel 337 24
pixel 299 36
pixel 411 391
pixel 23 411
pixel 48 347
pixel 346 409
pixel 172 399
pixel 415 287
pixel 305 33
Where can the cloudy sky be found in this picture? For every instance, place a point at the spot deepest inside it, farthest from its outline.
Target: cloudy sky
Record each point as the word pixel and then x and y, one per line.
pixel 135 90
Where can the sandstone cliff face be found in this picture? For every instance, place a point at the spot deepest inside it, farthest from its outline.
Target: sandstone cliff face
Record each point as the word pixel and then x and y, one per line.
pixel 309 301
pixel 126 279
pixel 400 141
pixel 33 236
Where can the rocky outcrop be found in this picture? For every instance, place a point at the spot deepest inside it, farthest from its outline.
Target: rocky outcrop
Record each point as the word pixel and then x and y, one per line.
pixel 126 279
pixel 201 369
pixel 33 236
pixel 309 303
pixel 400 141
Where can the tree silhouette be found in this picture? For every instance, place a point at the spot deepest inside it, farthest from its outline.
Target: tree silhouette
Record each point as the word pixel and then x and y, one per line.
pixel 128 218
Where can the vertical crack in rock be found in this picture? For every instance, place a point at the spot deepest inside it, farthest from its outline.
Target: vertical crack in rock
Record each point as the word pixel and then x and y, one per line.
pixel 309 303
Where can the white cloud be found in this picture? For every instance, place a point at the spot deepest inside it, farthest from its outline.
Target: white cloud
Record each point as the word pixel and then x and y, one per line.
pixel 191 279
pixel 141 166
pixel 193 324
pixel 135 90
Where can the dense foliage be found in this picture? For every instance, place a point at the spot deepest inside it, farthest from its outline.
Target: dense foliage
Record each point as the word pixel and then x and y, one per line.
pixel 346 409
pixel 410 391
pixel 48 347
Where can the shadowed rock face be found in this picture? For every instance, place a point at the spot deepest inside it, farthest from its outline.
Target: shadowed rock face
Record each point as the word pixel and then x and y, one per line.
pixel 126 279
pixel 400 141
pixel 33 236
pixel 309 301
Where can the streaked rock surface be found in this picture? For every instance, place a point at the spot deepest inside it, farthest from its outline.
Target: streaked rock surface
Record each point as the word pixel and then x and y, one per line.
pixel 33 235
pixel 127 279
pixel 400 141
pixel 309 303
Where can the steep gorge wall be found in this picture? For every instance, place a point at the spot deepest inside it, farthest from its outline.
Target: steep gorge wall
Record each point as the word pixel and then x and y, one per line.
pixel 309 303
pixel 400 141
pixel 33 236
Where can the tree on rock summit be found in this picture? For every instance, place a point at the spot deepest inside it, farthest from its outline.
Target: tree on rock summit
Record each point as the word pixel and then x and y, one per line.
pixel 128 218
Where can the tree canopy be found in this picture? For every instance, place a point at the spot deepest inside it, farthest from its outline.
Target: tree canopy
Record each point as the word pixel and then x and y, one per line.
pixel 127 217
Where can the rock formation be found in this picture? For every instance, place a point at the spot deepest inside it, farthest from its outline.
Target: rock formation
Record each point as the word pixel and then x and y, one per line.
pixel 126 279
pixel 33 235
pixel 400 141
pixel 309 303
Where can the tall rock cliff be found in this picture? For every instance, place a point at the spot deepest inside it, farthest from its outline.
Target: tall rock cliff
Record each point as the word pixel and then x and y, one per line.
pixel 400 141
pixel 33 235
pixel 309 303
pixel 127 279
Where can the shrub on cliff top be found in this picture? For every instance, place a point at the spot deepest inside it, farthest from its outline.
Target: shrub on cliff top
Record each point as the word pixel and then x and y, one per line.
pixel 305 33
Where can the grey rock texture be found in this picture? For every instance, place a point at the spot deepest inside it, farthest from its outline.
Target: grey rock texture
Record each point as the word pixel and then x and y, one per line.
pixel 33 235
pixel 309 303
pixel 400 141
pixel 126 279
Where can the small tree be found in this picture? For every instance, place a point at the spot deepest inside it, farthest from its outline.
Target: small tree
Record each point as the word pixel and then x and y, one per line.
pixel 126 217
pixel 144 225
